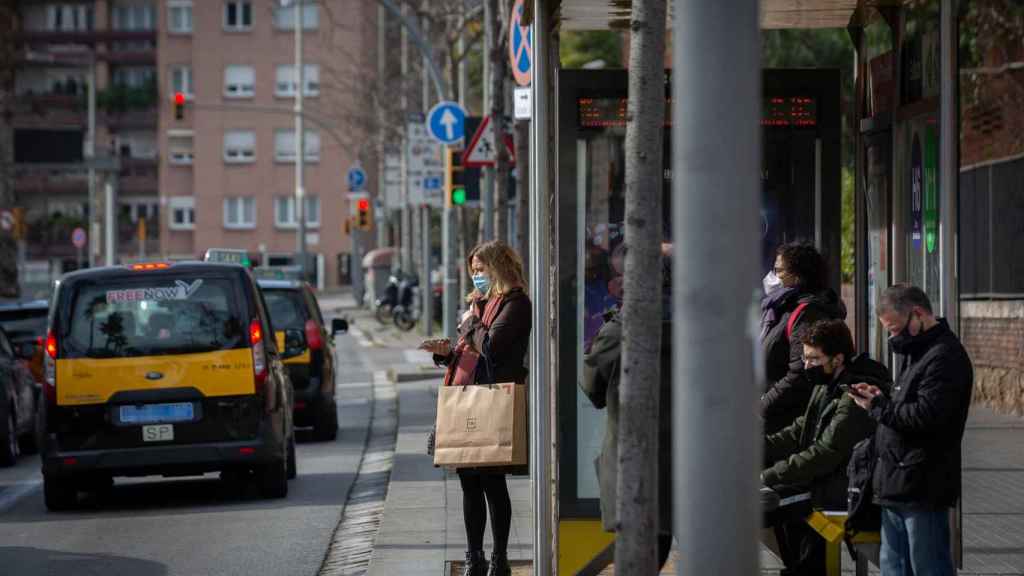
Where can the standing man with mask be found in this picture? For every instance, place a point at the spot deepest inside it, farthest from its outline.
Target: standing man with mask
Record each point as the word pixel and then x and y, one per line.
pixel 920 427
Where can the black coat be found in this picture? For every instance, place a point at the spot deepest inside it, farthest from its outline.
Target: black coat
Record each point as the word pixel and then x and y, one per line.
pixel 921 425
pixel 789 390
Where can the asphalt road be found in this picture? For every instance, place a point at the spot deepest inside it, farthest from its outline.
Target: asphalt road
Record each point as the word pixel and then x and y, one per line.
pixel 193 526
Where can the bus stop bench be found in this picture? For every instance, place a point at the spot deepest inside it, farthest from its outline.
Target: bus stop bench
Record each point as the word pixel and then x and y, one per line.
pixel 830 526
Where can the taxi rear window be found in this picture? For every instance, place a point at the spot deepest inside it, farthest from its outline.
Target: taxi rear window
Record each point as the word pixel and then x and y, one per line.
pixel 286 308
pixel 152 317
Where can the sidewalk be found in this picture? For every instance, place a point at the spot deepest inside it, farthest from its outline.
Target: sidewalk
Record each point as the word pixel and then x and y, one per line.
pixel 422 529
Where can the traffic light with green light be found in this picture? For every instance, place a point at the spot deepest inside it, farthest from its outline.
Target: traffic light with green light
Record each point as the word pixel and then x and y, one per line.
pixel 454 179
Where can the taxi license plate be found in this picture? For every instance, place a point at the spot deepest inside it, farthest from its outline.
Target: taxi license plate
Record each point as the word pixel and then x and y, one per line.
pixel 158 433
pixel 157 413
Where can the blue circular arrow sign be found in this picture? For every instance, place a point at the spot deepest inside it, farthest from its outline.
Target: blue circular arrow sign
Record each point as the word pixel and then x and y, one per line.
pixel 446 122
pixel 356 179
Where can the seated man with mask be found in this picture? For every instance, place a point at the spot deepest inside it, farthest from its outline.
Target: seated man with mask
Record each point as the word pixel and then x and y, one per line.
pixel 811 454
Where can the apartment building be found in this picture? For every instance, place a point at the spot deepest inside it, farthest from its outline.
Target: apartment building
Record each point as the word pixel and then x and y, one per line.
pixel 227 178
pixel 60 45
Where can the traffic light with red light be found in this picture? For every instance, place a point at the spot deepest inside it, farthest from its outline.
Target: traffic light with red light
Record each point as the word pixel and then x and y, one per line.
pixel 364 219
pixel 179 106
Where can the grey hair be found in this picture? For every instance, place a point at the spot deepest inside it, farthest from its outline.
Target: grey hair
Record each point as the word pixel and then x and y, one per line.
pixel 903 298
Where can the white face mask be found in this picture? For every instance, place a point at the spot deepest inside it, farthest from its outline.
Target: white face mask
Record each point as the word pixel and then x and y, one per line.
pixel 771 282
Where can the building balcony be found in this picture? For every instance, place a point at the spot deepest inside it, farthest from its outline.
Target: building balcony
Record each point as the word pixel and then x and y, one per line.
pixel 86 38
pixel 120 108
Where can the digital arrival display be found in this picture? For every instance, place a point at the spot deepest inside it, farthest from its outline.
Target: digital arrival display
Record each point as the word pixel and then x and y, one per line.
pixel 788 111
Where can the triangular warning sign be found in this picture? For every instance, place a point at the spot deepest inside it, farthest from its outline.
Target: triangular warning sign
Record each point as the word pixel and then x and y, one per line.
pixel 482 150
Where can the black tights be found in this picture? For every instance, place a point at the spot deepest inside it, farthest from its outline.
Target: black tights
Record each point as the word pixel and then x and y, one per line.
pixel 478 486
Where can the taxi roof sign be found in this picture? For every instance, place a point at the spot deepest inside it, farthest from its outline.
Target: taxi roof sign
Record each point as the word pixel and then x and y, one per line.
pixel 228 256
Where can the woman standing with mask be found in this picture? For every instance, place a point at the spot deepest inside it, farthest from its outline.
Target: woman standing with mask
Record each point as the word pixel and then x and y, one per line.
pixel 796 296
pixel 494 335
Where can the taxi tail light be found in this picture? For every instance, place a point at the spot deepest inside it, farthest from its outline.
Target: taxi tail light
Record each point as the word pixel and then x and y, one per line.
pixel 50 367
pixel 259 356
pixel 313 339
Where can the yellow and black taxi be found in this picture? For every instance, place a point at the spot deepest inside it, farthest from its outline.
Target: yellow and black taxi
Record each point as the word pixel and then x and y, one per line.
pixel 300 331
pixel 163 369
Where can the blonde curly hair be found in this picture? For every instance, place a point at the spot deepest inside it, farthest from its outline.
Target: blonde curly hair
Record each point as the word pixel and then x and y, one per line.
pixel 504 264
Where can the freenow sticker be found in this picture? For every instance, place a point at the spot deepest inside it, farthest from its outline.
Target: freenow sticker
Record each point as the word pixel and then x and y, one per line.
pixel 180 291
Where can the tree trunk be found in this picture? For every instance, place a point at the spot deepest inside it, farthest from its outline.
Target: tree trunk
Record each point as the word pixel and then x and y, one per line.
pixel 500 96
pixel 522 141
pixel 636 548
pixel 9 287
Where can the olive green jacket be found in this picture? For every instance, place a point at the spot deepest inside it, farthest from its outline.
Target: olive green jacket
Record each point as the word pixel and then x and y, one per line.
pixel 813 451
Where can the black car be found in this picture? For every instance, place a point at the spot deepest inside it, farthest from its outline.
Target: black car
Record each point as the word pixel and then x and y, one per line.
pixel 18 404
pixel 163 369
pixel 300 330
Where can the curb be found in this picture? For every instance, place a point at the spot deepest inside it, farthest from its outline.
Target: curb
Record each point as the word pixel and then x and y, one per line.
pixel 351 548
pixel 425 373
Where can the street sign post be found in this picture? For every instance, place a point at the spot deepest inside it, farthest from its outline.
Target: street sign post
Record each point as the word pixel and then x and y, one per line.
pixel 78 239
pixel 446 122
pixel 483 150
pixel 356 178
pixel 520 40
pixel 424 168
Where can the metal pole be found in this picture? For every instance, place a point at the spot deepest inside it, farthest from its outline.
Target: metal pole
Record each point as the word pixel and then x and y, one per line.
pixel 428 291
pixel 406 252
pixel 300 192
pixel 487 193
pixel 540 411
pixel 449 231
pixel 110 198
pixel 90 155
pixel 383 221
pixel 949 191
pixel 716 160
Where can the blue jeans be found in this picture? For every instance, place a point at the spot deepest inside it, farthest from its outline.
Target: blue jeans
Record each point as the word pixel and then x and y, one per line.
pixel 915 543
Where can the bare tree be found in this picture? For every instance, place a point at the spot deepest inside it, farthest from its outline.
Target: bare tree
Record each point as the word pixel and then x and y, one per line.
pixel 8 248
pixel 635 549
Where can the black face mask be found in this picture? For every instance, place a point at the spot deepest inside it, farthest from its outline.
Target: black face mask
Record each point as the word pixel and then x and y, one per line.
pixel 817 375
pixel 901 342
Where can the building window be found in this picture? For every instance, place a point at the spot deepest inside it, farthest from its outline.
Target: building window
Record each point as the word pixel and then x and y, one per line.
pixel 183 213
pixel 181 80
pixel 179 16
pixel 284 211
pixel 285 85
pixel 180 150
pixel 133 76
pixel 284 17
pixel 240 212
pixel 69 18
pixel 237 15
pixel 239 82
pixel 134 17
pixel 240 147
pixel 284 145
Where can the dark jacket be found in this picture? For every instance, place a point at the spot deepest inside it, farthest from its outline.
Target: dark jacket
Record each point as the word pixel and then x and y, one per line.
pixel 921 424
pixel 813 451
pixel 503 347
pixel 503 350
pixel 788 389
pixel 601 384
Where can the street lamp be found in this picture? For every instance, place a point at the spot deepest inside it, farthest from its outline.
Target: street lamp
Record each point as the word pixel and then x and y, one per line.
pixel 300 192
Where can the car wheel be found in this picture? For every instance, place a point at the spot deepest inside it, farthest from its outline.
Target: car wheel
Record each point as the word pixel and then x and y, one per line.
pixel 326 426
pixel 8 438
pixel 59 493
pixel 273 478
pixel 293 469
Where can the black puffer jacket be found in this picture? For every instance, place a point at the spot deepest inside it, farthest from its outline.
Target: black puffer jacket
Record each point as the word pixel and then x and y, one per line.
pixel 921 424
pixel 788 389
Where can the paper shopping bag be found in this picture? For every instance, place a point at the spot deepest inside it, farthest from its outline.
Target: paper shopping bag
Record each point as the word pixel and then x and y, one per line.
pixel 481 426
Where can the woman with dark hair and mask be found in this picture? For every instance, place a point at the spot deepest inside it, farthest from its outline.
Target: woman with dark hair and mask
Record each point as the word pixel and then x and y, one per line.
pixel 796 296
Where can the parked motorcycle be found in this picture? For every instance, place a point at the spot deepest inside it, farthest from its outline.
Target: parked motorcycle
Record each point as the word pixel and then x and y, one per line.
pixel 384 306
pixel 407 312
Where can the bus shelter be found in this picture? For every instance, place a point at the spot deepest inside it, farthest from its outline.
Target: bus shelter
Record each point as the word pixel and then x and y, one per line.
pixel 912 213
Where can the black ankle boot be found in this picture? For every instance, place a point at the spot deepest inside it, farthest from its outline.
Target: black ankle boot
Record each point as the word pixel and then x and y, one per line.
pixel 500 565
pixel 476 564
